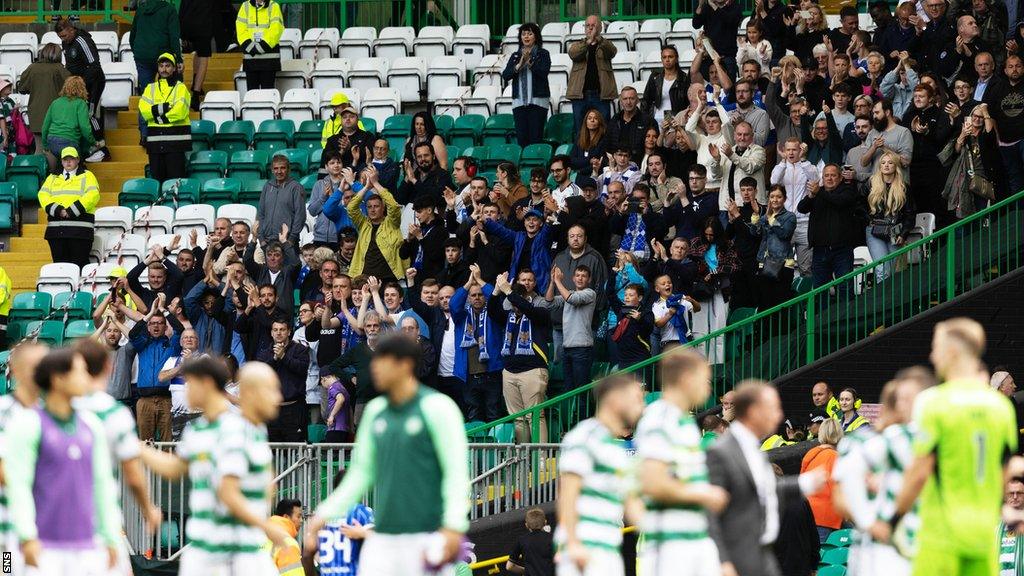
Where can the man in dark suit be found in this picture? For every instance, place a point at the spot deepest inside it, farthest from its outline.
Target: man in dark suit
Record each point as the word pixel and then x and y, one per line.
pixel 748 526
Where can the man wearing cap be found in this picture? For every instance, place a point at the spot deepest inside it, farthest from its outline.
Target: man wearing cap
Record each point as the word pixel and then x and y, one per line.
pixel 333 125
pixel 353 143
pixel 6 296
pixel 165 107
pixel 258 28
pixel 69 200
pixel 531 248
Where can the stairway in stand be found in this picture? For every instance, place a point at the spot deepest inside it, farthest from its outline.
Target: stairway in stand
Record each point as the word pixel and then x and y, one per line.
pixel 29 252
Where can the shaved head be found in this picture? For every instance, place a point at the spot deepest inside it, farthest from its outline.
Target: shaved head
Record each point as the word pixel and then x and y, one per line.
pixel 259 392
pixel 23 361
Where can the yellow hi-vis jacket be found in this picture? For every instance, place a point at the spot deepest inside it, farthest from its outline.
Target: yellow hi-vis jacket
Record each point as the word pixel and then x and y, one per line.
pixel 287 558
pixel 6 292
pixel 164 107
pixel 259 35
pixel 77 196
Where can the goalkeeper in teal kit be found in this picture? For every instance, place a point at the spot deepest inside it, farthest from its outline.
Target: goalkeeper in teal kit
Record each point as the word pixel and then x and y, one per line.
pixel 411 448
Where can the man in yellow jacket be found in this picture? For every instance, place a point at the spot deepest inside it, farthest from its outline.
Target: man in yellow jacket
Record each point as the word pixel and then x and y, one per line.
pixel 6 296
pixel 259 27
pixel 287 558
pixel 69 200
pixel 334 124
pixel 379 231
pixel 165 106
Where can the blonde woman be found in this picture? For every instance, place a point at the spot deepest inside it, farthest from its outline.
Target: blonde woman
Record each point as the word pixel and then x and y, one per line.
pixel 823 456
pixel 67 121
pixel 890 210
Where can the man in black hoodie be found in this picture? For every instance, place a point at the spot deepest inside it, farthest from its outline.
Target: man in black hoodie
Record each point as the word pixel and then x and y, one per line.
pixel 834 229
pixel 426 178
pixel 424 247
pixel 1005 102
pixel 81 58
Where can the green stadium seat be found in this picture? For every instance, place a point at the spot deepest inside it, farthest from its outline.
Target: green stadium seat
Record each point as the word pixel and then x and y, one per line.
pixel 652 397
pixel 491 176
pixel 138 192
pixel 30 306
pixel 535 156
pixel 454 152
pixel 78 329
pixel 314 161
pixel 479 153
pixel 315 433
pixel 504 153
pixel 444 124
pixel 832 571
pixel 188 191
pixel 16 331
pixel 504 433
pixel 274 135
pixel 563 150
pixel 49 331
pixel 234 135
pixel 27 172
pixel 220 191
pixel 397 125
pixel 369 125
pixel 79 305
pixel 599 370
pixel 308 181
pixel 558 129
pixel 250 192
pixel 248 164
pixel 203 132
pixel 835 557
pixel 9 203
pixel 170 536
pixel 3 171
pixel 839 539
pixel 5 357
pixel 298 159
pixel 308 135
pixel 208 164
pixel 468 130
pixel 499 129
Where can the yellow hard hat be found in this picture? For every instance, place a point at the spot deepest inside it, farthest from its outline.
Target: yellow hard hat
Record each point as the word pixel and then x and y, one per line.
pixel 69 151
pixel 338 99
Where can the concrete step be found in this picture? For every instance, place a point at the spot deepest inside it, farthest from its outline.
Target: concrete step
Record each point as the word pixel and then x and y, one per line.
pixel 129 119
pixel 123 137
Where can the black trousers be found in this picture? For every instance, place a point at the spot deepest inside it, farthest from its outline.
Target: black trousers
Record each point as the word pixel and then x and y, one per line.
pixel 95 89
pixel 290 424
pixel 167 165
pixel 260 79
pixel 529 121
pixel 73 250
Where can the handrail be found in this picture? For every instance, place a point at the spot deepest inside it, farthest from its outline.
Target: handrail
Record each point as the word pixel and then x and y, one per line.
pixel 806 301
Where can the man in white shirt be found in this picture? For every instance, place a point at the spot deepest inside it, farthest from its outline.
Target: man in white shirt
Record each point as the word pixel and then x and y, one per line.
pixel 738 162
pixel 796 174
pixel 564 188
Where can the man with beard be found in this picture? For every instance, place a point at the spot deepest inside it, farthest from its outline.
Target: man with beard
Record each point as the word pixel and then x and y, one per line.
pixel 854 156
pixel 427 178
pixel 357 359
pixel 886 133
pixel 746 111
pixel 662 187
pixel 165 108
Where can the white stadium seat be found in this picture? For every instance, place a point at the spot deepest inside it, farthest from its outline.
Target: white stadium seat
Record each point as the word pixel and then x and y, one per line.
pixel 482 101
pixel 652 35
pixel 294 73
pixel 193 217
pixel 452 100
pixel 289 43
pixel 49 37
pixel 433 41
pixel 471 43
pixel 319 43
pixel 236 212
pixel 151 220
pixel 356 42
pixel 164 240
pixel 120 87
pixel 924 226
pixel 394 42
pixel 561 64
pixel 99 240
pixel 488 71
pixel 260 105
pixel 681 36
pixel 621 33
pixel 58 277
pixel 503 104
pixel 299 104
pixel 220 106
pixel 409 75
pixel 576 34
pixel 330 74
pixel 510 43
pixel 9 72
pixel 554 34
pixel 95 278
pixel 117 218
pixel 650 63
pixel 624 66
pixel 18 47
pixel 125 47
pixel 444 71
pixel 325 103
pixel 131 249
pixel 557 96
pixel 380 103
pixel 106 44
pixel 368 73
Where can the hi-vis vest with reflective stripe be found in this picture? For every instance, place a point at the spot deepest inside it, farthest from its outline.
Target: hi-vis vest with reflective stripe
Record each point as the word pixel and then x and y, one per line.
pixel 6 292
pixel 78 196
pixel 855 423
pixel 287 559
pixel 165 109
pixel 259 32
pixel 775 441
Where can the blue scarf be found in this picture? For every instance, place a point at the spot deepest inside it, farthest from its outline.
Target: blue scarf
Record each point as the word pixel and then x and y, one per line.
pixel 679 318
pixel 417 263
pixel 523 345
pixel 303 272
pixel 348 337
pixel 635 238
pixel 475 332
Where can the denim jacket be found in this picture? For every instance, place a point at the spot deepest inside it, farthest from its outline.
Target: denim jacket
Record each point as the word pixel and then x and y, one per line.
pixel 776 239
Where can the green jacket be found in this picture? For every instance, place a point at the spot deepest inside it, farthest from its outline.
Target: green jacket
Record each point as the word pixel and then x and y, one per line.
pixel 42 81
pixel 155 30
pixel 69 118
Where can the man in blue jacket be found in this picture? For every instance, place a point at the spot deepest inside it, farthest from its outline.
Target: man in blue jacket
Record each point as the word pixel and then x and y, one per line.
pixel 152 348
pixel 531 249
pixel 478 342
pixel 210 317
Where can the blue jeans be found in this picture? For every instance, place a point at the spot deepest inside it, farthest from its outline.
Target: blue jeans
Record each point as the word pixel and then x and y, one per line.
pixel 830 263
pixel 879 249
pixel 55 144
pixel 482 396
pixel 576 364
pixel 580 107
pixel 1013 157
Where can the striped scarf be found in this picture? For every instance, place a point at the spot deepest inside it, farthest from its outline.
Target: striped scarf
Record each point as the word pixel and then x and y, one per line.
pixel 475 332
pixel 523 345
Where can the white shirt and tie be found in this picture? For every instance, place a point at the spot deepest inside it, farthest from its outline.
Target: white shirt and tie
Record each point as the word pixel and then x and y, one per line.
pixel 764 479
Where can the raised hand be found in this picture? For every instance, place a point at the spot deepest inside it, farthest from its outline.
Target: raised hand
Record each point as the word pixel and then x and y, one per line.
pixel 283 236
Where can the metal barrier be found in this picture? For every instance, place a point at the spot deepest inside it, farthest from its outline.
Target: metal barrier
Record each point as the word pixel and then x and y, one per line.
pixel 769 343
pixel 44 10
pixel 503 477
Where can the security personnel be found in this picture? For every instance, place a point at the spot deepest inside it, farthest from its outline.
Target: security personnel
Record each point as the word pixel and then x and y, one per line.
pixel 165 106
pixel 334 125
pixel 288 557
pixel 6 296
pixel 69 200
pixel 259 27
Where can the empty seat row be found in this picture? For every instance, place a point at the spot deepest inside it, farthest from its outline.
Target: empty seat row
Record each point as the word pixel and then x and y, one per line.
pixel 470 41
pixel 222 106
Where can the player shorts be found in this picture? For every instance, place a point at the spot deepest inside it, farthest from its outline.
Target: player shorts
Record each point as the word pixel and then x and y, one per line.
pixel 93 562
pixel 680 558
pixel 870 558
pixel 397 555
pixel 196 562
pixel 601 563
pixel 203 45
pixel 934 561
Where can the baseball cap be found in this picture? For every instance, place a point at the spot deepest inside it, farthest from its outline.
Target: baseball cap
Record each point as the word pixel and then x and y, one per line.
pixel 346 108
pixel 69 151
pixel 533 213
pixel 818 416
pixel 168 57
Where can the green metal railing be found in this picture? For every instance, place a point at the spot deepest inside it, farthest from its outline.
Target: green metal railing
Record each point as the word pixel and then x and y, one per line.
pixel 45 10
pixel 771 343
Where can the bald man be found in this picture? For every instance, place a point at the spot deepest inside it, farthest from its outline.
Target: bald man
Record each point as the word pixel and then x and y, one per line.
pixel 259 393
pixel 823 399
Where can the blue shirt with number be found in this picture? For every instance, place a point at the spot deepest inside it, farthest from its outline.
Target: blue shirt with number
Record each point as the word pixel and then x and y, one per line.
pixel 338 553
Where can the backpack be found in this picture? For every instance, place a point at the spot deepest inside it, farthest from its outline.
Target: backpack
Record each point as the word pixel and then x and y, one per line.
pixel 24 140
